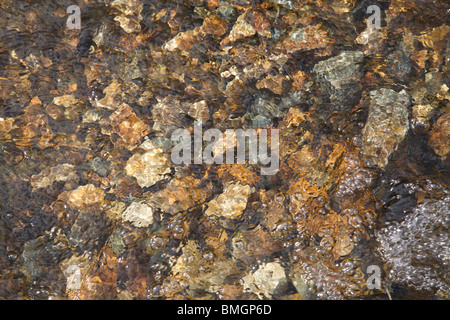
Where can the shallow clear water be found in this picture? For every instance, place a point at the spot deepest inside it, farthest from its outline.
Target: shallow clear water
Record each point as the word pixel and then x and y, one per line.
pixel 92 207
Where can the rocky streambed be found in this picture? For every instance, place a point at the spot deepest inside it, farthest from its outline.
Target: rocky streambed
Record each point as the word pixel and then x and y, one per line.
pixel 93 207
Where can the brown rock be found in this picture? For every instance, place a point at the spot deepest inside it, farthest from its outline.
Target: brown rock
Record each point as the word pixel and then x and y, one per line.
pixel 129 24
pixel 128 126
pixel 182 41
pixel 237 172
pixel 55 112
pixel 231 203
pixel 128 7
pixel 180 195
pixel 36 131
pixel 439 135
pixel 260 23
pixel 250 245
pixel 277 84
pixel 300 78
pixel 100 282
pixel 419 58
pixel 83 197
pixel 436 40
pixel 213 25
pixel 65 100
pixel 5 127
pixel 303 158
pixel 295 117
pixel 212 4
pixel 230 292
pixel 112 97
pixel 373 40
pixel 150 166
pixel 62 172
pixel 241 29
pixel 199 111
pixel 308 38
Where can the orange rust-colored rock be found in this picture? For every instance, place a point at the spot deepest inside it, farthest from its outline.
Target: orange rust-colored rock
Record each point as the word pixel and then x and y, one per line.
pixel 129 127
pixel 180 195
pixel 213 25
pixel 308 38
pixel 100 283
pixel 439 135
pixel 237 172
pixel 83 197
pixel 295 117
pixel 277 84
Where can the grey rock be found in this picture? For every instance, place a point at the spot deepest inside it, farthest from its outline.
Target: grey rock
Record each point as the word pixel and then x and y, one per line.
pixel 89 231
pixel 41 255
pixel 291 100
pixel 100 167
pixel 386 125
pixel 266 108
pixel 399 64
pixel 260 121
pixel 226 10
pixel 340 76
pixel 115 241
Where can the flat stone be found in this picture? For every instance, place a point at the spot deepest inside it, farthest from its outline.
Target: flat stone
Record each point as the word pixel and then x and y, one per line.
pixel 340 77
pixel 386 125
pixel 139 214
pixel 231 203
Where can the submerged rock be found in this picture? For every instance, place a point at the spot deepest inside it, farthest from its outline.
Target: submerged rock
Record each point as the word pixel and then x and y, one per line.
pixel 128 7
pixel 75 269
pixel 277 84
pixel 372 39
pixel 94 208
pixel 308 38
pixel 317 278
pixel 202 268
pixel 83 197
pixel 140 214
pixel 226 10
pixel 130 25
pixel 199 111
pixel 241 29
pixel 251 245
pixel 63 172
pixel 129 17
pixel 149 166
pixel 231 203
pixel 100 166
pixel 399 64
pixel 340 77
pixel 386 125
pixel 439 135
pixel 181 194
pixel 168 115
pixel 266 280
pixel 128 127
pixel 421 115
pixel 266 108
